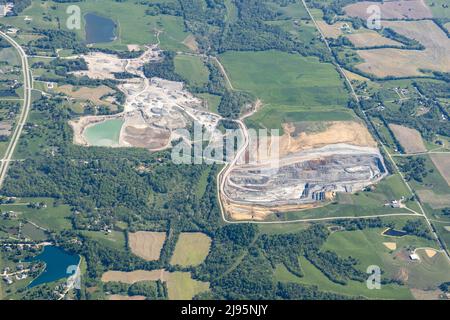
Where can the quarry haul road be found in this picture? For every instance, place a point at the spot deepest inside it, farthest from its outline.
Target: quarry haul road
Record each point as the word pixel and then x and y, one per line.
pixel 369 123
pixel 27 85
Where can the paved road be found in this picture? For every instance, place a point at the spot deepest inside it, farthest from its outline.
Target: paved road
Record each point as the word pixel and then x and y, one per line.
pixel 27 85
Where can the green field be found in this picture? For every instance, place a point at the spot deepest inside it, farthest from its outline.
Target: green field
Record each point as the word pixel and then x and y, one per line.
pixel 114 240
pixel 191 249
pixel 32 232
pixel 361 203
pixel 202 184
pixel 192 69
pixel 181 286
pixel 10 56
pixel 314 277
pixel 273 116
pixel 134 25
pixel 433 180
pixel 367 246
pixel 291 11
pixel 212 100
pixel 437 8
pixel 279 78
pixel 53 217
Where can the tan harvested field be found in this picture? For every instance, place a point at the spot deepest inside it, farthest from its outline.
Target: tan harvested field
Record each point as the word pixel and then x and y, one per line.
pixel 117 297
pixel 191 249
pixel 85 93
pixel 410 139
pixel 371 39
pixel 180 285
pixel 354 76
pixel 442 163
pixel 135 276
pixel 331 30
pixel 410 9
pixel 436 201
pixel 146 244
pixel 390 245
pixel 402 63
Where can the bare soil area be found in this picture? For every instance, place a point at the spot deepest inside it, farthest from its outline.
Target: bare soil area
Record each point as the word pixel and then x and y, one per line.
pixel 349 132
pixel 390 245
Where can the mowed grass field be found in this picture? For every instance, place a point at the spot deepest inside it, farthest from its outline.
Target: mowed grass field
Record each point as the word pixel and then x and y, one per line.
pixel 367 246
pixel 54 217
pixel 192 69
pixel 314 277
pixel 191 249
pixel 433 180
pixel 134 26
pixel 438 9
pixel 280 78
pixel 272 116
pixel 291 87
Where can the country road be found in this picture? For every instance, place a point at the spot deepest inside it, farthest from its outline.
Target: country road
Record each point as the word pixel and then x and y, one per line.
pixel 27 85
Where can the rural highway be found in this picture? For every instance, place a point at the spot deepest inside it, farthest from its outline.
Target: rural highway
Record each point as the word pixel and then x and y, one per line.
pixel 422 214
pixel 27 87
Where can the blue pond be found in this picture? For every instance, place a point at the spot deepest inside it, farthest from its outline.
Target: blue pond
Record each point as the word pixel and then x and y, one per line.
pixel 394 233
pixel 57 261
pixel 99 29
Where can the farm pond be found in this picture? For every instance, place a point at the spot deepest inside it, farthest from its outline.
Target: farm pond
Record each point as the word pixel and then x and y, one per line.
pixel 99 29
pixel 57 262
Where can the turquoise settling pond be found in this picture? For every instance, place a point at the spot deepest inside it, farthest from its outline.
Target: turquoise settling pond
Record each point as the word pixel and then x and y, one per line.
pixel 57 261
pixel 99 29
pixel 104 134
